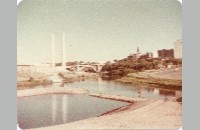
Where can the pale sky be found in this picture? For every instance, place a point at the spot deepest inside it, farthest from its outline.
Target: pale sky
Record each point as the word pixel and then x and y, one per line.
pixel 95 30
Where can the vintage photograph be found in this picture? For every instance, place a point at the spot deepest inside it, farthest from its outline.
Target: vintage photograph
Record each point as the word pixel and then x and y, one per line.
pixel 99 64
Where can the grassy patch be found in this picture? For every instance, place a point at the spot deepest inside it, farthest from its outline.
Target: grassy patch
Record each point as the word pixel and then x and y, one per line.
pixel 154 82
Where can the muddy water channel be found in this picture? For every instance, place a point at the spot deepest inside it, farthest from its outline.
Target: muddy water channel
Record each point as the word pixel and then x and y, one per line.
pixel 54 109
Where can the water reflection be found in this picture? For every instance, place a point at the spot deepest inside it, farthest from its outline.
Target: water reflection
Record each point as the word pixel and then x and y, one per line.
pixel 150 89
pixel 64 108
pixel 167 93
pixel 139 90
pixel 130 90
pixel 111 87
pixel 156 91
pixel 62 84
pixel 54 108
pixel 99 82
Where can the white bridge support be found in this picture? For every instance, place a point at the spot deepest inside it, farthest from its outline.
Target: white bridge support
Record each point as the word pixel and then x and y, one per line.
pixel 63 50
pixel 53 50
pixel 78 68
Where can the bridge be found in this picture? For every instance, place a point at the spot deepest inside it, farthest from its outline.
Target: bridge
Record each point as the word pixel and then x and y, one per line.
pixel 96 67
pixel 85 67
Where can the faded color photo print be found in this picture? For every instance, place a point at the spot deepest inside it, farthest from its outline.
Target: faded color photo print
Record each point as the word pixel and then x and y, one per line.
pixel 99 64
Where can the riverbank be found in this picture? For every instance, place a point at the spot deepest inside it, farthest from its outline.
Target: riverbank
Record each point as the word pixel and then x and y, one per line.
pixel 77 76
pixel 31 84
pixel 27 80
pixel 36 79
pixel 142 115
pixel 168 79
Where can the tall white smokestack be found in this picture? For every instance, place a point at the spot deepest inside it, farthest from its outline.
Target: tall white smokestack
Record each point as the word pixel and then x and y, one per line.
pixel 53 50
pixel 63 49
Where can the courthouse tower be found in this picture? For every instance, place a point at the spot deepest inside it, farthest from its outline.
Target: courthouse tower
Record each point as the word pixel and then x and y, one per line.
pixel 138 53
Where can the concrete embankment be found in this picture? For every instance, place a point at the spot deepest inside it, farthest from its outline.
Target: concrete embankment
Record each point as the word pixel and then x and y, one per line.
pixel 56 90
pixel 117 98
pixel 170 79
pixel 148 115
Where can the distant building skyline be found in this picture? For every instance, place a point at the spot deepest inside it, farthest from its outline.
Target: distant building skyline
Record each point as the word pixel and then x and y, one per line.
pixel 95 30
pixel 166 53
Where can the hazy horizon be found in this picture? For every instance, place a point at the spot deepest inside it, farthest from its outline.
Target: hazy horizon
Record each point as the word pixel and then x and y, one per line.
pixel 95 30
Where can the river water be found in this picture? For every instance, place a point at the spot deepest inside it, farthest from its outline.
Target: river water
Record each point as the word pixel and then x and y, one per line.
pixel 54 109
pixel 123 89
